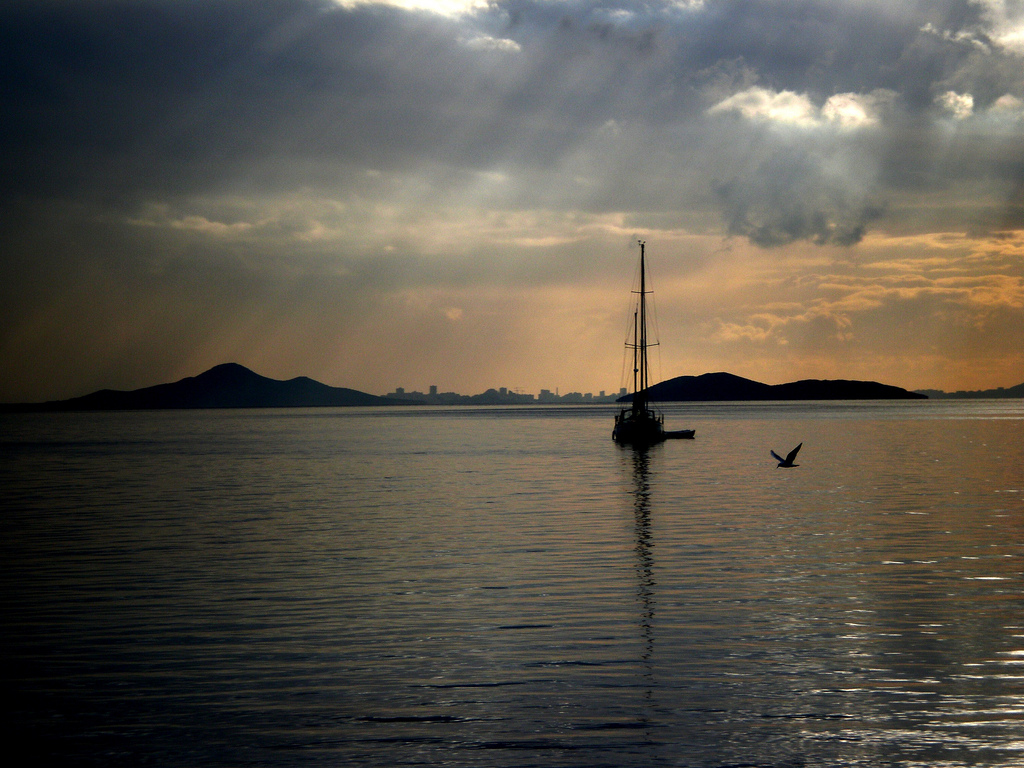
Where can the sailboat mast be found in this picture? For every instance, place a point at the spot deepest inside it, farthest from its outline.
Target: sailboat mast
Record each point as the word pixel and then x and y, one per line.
pixel 642 341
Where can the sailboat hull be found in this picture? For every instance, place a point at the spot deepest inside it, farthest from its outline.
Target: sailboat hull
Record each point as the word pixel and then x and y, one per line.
pixel 643 428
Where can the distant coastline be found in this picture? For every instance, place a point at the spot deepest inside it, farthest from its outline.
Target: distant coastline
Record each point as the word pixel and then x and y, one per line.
pixel 234 386
pixel 708 387
pixel 976 394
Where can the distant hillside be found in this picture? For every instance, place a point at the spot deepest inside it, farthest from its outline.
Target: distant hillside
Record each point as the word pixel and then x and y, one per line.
pixel 225 386
pixel 1017 391
pixel 233 386
pixel 726 386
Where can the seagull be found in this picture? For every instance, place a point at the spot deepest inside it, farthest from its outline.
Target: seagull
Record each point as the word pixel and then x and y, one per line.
pixel 788 461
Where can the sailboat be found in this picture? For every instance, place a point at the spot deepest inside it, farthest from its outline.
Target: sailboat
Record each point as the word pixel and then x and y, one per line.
pixel 640 424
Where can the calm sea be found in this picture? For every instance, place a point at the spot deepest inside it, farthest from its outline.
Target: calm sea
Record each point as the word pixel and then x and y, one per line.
pixel 507 587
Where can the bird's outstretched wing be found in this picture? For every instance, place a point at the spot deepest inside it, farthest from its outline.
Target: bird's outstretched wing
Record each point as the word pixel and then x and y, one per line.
pixel 776 456
pixel 793 453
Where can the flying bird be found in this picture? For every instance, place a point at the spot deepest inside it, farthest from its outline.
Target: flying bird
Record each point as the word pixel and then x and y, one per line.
pixel 788 461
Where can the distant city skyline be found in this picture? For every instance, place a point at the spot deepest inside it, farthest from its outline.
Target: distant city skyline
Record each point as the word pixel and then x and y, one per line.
pixel 503 395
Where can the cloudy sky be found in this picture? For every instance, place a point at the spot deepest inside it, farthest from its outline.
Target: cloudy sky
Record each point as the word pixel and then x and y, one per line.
pixel 406 193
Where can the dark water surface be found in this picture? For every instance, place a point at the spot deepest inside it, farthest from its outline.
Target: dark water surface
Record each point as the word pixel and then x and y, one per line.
pixel 488 587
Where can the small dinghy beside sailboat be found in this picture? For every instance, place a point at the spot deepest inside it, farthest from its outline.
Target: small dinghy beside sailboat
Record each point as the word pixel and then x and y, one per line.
pixel 640 424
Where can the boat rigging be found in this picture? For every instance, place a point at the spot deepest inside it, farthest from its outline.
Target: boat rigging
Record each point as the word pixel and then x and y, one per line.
pixel 641 425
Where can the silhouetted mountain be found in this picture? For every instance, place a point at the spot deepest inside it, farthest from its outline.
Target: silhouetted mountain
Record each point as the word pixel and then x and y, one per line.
pixel 225 386
pixel 841 389
pixel 709 386
pixel 726 386
pixel 1017 391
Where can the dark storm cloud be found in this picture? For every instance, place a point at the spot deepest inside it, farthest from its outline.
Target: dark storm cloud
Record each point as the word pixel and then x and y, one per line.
pixel 787 199
pixel 118 101
pixel 168 95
